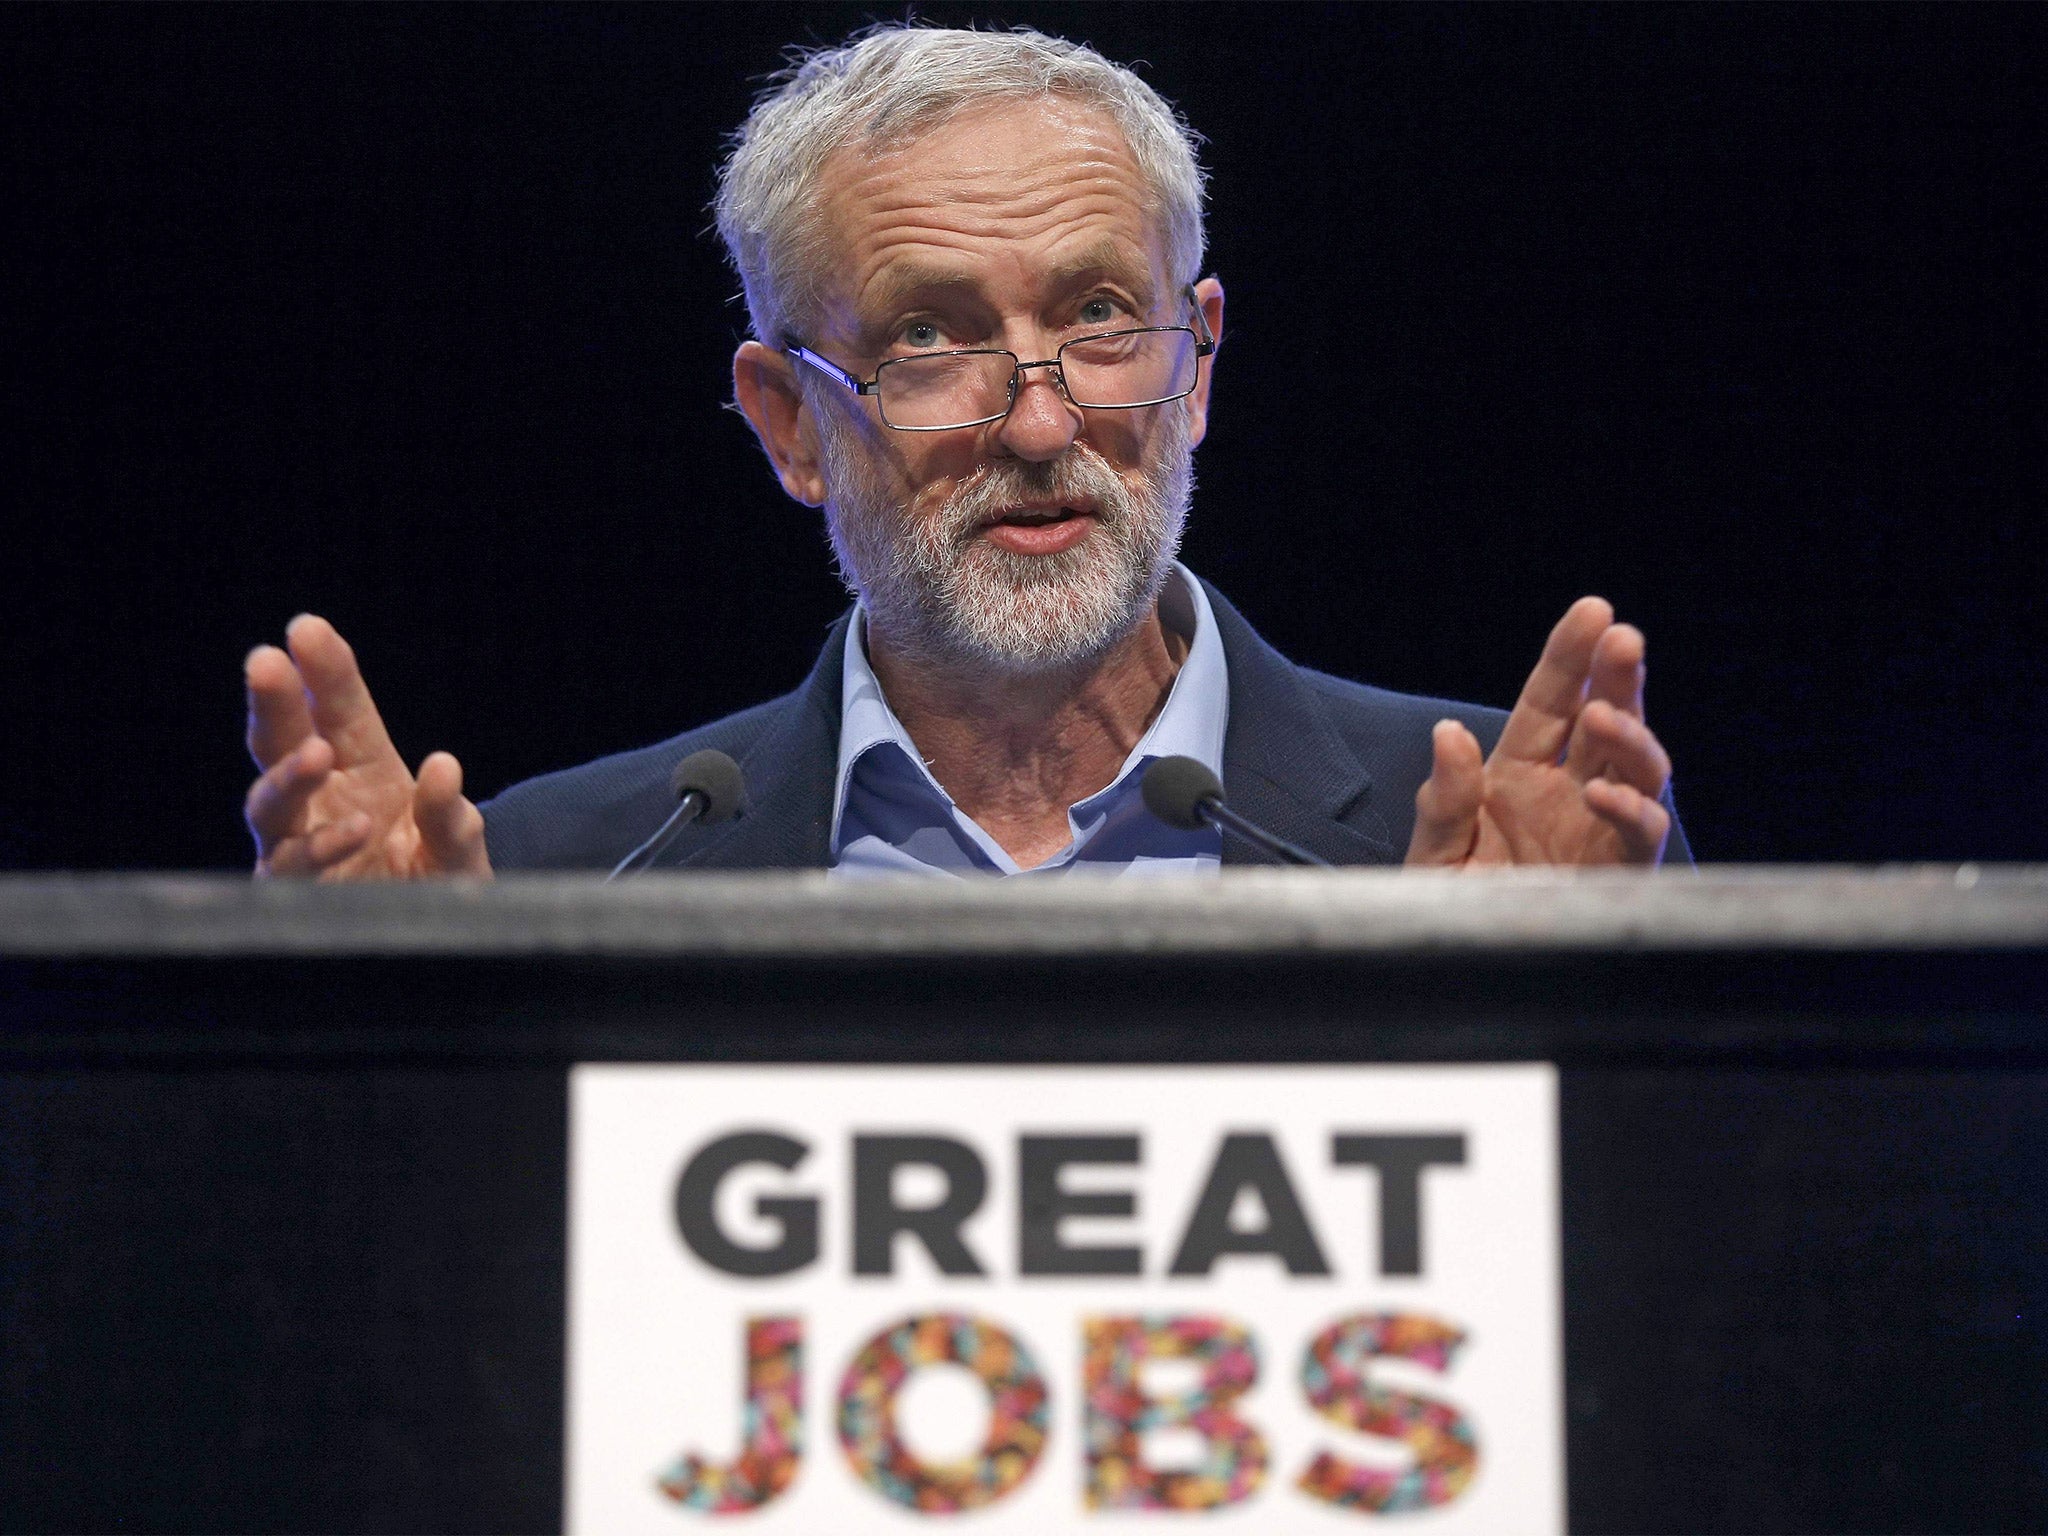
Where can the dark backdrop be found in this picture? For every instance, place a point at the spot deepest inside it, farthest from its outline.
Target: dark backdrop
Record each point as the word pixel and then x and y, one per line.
pixel 410 316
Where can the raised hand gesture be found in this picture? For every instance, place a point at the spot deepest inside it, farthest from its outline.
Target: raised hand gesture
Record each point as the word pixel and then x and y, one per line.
pixel 1576 775
pixel 335 800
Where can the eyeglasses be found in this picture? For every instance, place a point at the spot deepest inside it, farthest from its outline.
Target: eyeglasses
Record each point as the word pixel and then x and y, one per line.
pixel 1106 371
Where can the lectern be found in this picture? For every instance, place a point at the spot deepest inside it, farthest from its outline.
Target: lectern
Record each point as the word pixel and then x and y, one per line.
pixel 286 1184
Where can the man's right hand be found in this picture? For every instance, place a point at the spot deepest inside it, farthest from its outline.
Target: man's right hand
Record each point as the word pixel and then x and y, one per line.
pixel 335 799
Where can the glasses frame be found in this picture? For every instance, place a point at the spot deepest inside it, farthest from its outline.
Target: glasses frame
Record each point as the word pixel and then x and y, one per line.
pixel 1205 346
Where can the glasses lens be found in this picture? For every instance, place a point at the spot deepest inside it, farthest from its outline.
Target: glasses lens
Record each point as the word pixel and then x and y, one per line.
pixel 1129 367
pixel 947 390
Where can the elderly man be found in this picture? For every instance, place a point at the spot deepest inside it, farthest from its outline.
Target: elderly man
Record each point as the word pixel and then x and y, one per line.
pixel 983 346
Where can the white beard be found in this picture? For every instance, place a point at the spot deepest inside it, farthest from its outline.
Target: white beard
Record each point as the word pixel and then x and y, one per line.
pixel 943 593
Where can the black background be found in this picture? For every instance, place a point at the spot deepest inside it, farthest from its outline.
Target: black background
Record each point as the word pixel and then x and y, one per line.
pixel 410 317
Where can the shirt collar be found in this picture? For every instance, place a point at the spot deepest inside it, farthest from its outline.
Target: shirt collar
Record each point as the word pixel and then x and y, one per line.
pixel 1192 723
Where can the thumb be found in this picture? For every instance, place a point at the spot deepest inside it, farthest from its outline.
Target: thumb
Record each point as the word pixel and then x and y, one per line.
pixel 1447 805
pixel 451 829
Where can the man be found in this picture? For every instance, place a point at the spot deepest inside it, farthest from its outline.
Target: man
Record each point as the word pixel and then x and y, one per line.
pixel 980 345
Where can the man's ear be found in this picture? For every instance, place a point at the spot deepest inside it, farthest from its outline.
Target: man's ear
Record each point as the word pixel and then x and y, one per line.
pixel 765 387
pixel 1209 296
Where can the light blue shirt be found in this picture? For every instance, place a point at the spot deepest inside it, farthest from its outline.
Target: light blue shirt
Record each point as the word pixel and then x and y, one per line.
pixel 889 815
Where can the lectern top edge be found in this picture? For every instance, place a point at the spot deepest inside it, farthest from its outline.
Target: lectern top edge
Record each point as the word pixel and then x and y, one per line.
pixel 797 916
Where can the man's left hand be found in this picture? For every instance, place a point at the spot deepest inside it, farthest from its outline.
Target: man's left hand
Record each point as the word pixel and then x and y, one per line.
pixel 1576 776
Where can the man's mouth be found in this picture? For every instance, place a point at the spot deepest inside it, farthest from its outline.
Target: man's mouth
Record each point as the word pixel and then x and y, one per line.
pixel 1039 530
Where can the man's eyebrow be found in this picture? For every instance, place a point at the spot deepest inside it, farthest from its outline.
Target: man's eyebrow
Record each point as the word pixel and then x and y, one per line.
pixel 916 280
pixel 1111 259
pixel 896 289
pixel 911 280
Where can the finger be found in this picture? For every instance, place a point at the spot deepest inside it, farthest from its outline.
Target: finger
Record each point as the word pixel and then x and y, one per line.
pixel 275 807
pixel 342 709
pixel 1617 671
pixel 278 717
pixel 1609 744
pixel 319 850
pixel 1542 717
pixel 1447 805
pixel 451 828
pixel 1642 823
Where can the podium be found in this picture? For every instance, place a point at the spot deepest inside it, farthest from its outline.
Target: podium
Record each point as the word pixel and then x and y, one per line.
pixel 283 1167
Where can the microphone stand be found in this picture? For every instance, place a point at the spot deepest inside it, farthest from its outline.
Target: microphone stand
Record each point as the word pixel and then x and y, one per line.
pixel 687 810
pixel 1224 819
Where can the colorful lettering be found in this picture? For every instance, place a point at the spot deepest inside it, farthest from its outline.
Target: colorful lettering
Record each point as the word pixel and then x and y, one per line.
pixel 772 1429
pixel 1333 1375
pixel 1017 1413
pixel 1117 1413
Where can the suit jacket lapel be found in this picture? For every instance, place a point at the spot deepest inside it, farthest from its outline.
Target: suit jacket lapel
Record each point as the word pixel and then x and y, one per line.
pixel 1284 765
pixel 789 774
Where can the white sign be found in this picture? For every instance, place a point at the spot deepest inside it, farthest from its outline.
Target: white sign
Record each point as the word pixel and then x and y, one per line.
pixel 1049 1299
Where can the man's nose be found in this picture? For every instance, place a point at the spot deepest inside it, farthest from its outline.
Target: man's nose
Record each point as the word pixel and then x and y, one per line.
pixel 1043 422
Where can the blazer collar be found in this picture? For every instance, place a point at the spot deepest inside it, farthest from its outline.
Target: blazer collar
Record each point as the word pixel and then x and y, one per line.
pixel 1284 766
pixel 788 820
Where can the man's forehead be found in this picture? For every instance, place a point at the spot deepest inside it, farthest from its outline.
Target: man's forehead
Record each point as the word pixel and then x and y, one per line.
pixel 909 275
pixel 1044 187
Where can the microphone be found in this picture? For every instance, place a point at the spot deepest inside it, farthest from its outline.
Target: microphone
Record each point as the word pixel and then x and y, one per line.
pixel 708 787
pixel 1182 793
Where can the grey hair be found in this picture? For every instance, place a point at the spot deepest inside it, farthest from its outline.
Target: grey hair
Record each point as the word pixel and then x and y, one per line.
pixel 882 88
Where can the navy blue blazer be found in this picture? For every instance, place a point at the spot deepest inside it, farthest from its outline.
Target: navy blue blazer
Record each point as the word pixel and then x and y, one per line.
pixel 1328 764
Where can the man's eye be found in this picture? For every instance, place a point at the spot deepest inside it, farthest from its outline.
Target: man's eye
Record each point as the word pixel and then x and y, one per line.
pixel 1100 312
pixel 921 333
